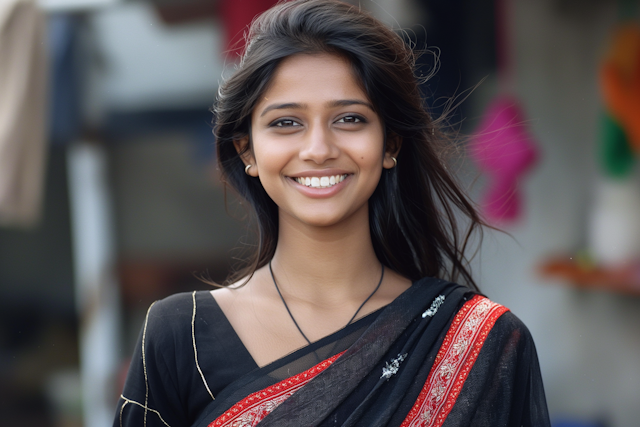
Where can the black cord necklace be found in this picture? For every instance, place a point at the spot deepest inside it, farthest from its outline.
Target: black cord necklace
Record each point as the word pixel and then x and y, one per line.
pixel 350 320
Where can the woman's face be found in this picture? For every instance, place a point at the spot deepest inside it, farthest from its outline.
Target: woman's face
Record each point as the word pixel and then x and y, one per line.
pixel 317 142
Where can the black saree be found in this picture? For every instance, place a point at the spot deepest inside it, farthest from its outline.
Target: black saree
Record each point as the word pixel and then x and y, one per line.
pixel 352 390
pixel 438 355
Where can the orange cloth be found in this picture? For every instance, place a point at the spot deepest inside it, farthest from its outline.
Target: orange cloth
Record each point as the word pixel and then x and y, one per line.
pixel 23 96
pixel 620 80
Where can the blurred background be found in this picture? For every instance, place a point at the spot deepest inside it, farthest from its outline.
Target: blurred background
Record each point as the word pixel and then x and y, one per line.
pixel 110 198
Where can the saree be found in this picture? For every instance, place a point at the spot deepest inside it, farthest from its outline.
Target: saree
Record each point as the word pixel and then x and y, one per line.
pixel 438 355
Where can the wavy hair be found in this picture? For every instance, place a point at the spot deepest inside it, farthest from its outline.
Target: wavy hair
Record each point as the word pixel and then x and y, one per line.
pixel 414 207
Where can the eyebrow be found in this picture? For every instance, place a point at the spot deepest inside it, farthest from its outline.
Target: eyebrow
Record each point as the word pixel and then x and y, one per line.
pixel 330 104
pixel 288 105
pixel 347 102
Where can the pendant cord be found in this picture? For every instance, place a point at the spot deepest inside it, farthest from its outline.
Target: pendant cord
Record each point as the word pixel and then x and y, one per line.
pixel 350 320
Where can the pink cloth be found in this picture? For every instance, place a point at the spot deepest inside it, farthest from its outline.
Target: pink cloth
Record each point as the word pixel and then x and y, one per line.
pixel 504 151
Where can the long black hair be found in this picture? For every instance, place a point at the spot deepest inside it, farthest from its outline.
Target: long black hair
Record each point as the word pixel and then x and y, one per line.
pixel 413 209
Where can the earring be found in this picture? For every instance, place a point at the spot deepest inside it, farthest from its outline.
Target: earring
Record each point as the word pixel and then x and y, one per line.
pixel 395 162
pixel 246 169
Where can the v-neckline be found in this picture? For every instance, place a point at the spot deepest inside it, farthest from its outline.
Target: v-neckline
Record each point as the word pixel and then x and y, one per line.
pixel 368 318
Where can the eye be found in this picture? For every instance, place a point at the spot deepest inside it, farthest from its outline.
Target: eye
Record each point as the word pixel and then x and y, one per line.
pixel 351 119
pixel 284 123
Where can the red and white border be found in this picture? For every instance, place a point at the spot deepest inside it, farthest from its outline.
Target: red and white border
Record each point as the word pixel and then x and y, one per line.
pixel 454 361
pixel 251 410
pixel 452 365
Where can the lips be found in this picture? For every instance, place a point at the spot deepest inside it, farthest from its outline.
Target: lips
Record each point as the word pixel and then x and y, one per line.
pixel 320 181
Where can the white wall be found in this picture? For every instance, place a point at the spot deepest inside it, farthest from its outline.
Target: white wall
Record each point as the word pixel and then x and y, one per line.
pixel 148 64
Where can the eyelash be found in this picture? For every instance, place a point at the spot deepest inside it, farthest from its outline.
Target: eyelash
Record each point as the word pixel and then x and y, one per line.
pixel 279 123
pixel 292 123
pixel 357 119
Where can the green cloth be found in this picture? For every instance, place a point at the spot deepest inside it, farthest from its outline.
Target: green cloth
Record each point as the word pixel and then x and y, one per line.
pixel 617 156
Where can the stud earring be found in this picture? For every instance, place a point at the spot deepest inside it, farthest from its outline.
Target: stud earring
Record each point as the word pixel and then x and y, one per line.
pixel 246 169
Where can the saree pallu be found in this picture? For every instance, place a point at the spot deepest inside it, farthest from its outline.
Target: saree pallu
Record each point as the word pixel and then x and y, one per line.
pixel 439 355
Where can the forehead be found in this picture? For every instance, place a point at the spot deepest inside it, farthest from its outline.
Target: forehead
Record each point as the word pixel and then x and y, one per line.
pixel 313 77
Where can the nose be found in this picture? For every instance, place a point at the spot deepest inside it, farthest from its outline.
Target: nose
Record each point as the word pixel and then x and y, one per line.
pixel 319 144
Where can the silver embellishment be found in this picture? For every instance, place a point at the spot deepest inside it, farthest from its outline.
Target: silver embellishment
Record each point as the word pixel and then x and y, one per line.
pixel 392 368
pixel 435 305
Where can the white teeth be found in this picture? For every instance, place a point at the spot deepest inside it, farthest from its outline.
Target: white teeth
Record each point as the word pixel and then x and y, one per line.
pixel 321 182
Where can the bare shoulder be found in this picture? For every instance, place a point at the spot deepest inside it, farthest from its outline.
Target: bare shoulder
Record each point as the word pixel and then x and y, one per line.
pixel 230 295
pixel 243 295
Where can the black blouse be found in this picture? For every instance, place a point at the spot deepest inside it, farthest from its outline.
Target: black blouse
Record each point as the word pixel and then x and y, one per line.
pixel 188 353
pixel 191 353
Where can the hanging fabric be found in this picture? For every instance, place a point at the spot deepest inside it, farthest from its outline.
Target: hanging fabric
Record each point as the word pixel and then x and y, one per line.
pixel 236 16
pixel 620 81
pixel 66 62
pixel 23 76
pixel 502 146
pixel 614 229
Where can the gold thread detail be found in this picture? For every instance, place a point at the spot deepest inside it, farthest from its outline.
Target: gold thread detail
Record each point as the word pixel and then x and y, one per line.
pixel 144 366
pixel 142 406
pixel 195 350
pixel 122 410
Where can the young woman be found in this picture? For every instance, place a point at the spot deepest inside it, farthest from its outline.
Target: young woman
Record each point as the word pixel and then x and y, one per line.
pixel 347 314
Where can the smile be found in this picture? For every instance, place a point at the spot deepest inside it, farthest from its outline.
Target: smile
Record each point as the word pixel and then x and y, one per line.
pixel 320 181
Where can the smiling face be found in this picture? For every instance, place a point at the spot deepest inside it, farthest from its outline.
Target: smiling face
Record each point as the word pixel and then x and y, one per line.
pixel 317 143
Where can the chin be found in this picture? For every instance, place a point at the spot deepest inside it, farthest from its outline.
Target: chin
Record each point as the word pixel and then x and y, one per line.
pixel 322 218
pixel 322 221
pixel 326 214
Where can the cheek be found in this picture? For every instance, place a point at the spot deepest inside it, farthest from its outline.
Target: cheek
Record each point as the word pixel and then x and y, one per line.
pixel 268 155
pixel 272 159
pixel 368 152
pixel 369 147
pixel 369 162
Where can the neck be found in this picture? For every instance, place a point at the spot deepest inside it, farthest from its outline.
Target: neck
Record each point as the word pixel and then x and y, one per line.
pixel 326 264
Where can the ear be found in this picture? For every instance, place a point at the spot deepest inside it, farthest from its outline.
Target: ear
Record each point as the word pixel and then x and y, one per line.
pixel 394 142
pixel 246 155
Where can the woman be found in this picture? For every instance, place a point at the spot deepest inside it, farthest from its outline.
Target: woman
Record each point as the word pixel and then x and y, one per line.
pixel 343 316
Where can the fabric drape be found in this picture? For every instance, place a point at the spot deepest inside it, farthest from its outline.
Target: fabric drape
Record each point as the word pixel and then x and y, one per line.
pixel 438 355
pixel 23 76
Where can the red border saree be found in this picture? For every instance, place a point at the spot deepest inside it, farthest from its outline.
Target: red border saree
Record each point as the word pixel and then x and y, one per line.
pixel 437 356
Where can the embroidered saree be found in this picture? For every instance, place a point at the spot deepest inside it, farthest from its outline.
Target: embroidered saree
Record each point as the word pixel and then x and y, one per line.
pixel 439 355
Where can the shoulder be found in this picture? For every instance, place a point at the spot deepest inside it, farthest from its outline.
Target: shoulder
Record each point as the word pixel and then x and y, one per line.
pixel 494 318
pixel 481 308
pixel 171 317
pixel 513 333
pixel 173 305
pixel 503 385
pixel 501 328
pixel 169 309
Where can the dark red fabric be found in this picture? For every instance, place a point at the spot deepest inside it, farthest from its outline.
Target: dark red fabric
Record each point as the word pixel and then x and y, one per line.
pixel 236 16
